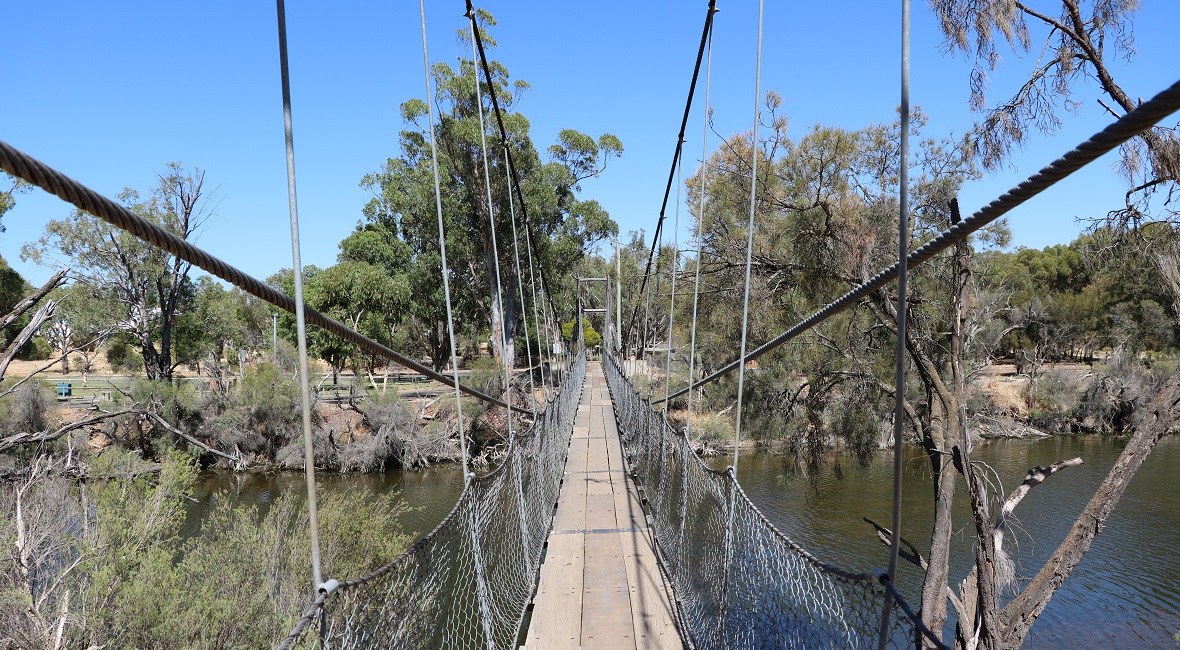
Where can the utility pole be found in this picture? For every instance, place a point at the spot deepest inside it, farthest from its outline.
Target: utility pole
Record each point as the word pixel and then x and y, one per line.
pixel 274 337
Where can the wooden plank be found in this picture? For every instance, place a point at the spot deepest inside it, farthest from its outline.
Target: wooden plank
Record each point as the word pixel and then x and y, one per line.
pixel 652 601
pixel 596 454
pixel 628 510
pixel 557 612
pixel 578 456
pixel 571 508
pixel 606 600
pixel 614 454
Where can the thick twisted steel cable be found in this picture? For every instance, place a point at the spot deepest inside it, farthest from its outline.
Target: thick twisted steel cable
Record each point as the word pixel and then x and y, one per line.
pixel 692 86
pixel 24 166
pixel 1128 126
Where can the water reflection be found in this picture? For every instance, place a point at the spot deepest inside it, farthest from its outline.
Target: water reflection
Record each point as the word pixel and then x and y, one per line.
pixel 430 493
pixel 1125 593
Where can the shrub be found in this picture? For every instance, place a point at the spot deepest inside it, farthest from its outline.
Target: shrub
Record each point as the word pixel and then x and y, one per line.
pixel 26 409
pixel 269 411
pixel 38 349
pixel 485 376
pixel 131 582
pixel 394 435
pixel 122 358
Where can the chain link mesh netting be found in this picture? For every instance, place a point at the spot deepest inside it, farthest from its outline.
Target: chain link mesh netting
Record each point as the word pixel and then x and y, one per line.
pixel 467 583
pixel 741 582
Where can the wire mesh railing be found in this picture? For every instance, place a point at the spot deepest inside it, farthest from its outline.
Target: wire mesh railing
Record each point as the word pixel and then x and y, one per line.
pixel 766 591
pixel 468 583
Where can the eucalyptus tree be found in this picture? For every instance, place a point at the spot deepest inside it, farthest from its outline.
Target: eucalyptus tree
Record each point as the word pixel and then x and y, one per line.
pixel 83 321
pixel 562 224
pixel 223 328
pixel 150 287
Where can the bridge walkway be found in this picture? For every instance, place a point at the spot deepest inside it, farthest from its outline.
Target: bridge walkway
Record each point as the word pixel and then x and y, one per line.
pixel 600 584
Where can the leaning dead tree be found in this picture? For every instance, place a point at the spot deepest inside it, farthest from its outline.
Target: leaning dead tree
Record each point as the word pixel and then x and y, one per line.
pixel 982 623
pixel 38 319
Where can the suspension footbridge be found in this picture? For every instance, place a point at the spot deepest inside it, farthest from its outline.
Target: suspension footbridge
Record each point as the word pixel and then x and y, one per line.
pixel 600 527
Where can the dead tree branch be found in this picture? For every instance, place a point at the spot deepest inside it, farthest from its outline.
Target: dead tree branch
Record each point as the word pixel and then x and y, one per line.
pixel 47 436
pixel 26 334
pixel 33 298
pixel 1158 419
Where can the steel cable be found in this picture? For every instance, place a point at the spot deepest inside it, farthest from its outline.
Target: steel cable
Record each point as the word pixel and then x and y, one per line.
pixel 300 321
pixel 903 241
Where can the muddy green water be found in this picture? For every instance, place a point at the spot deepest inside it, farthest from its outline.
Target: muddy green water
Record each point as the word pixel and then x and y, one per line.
pixel 1125 594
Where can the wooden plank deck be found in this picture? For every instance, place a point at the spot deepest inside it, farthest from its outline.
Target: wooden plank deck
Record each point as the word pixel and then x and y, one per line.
pixel 600 585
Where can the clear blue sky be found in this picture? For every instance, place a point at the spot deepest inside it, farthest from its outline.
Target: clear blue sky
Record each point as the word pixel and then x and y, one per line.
pixel 111 92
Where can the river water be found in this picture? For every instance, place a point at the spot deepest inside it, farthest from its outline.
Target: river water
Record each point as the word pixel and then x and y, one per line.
pixel 1125 593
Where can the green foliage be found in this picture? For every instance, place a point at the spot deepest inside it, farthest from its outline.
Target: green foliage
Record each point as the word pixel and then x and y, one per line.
pixel 122 357
pixel 590 337
pixel 263 414
pixel 220 323
pixel 713 429
pixel 38 349
pixel 486 375
pixel 27 409
pixel 133 582
pixel 176 402
pixel 13 288
pixel 1068 302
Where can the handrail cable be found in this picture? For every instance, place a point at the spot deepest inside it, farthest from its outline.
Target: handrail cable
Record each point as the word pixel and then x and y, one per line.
pixel 696 290
pixel 300 322
pixel 899 355
pixel 1131 124
pixel 20 164
pixel 692 86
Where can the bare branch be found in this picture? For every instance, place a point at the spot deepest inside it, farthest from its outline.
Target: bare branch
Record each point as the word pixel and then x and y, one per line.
pixel 47 436
pixel 34 298
pixel 1037 475
pixel 26 334
pixel 238 461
